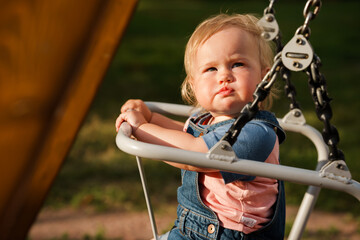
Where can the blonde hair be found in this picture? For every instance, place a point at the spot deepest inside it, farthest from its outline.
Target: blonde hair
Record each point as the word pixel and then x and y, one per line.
pixel 213 25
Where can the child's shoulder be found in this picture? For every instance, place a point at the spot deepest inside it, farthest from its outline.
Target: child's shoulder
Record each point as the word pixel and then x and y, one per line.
pixel 266 116
pixel 270 119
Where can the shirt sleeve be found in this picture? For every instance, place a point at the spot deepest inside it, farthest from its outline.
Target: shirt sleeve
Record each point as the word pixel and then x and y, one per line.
pixel 255 142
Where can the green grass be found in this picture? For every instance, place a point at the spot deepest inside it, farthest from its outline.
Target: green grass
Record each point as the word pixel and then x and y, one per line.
pixel 149 65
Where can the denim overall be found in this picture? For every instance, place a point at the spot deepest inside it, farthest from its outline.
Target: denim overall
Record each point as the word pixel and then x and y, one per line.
pixel 197 221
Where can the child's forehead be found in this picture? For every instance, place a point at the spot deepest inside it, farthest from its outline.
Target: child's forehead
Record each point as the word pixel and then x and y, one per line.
pixel 229 37
pixel 230 31
pixel 231 43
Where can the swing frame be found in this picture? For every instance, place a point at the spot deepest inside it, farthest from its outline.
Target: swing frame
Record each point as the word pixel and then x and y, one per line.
pixel 328 174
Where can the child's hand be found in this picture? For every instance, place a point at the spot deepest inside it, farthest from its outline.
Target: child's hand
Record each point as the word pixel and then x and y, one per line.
pixel 133 117
pixel 138 105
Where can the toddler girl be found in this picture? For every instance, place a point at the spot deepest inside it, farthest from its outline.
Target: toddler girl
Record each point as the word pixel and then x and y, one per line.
pixel 225 59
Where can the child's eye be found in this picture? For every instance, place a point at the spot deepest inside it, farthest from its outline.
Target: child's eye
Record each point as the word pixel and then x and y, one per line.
pixel 211 69
pixel 238 64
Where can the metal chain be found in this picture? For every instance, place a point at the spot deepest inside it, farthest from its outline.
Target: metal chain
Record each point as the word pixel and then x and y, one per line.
pixel 317 85
pixel 309 15
pixel 289 88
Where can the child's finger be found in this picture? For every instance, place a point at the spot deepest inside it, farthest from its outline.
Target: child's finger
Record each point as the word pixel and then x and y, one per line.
pixel 130 104
pixel 118 122
pixel 117 125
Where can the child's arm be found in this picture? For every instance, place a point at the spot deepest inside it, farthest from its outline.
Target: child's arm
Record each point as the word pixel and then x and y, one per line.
pixel 155 134
pixel 151 117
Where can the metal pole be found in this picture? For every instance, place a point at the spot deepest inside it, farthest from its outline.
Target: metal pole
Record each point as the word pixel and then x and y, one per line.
pixel 147 197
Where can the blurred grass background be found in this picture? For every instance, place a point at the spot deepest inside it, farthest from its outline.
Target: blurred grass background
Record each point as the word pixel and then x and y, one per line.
pixel 149 65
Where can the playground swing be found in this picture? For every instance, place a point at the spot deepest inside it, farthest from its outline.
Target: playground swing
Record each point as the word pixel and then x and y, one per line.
pixel 297 55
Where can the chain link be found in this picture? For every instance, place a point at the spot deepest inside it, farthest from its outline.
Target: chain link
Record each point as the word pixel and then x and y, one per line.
pixel 270 8
pixel 270 76
pixel 312 3
pixel 289 88
pixel 309 15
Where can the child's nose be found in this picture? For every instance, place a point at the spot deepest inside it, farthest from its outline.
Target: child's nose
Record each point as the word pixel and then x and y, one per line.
pixel 226 77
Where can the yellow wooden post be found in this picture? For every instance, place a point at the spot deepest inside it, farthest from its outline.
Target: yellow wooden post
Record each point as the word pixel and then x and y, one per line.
pixel 53 57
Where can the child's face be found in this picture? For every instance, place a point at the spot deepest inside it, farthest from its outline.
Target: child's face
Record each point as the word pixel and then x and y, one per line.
pixel 226 71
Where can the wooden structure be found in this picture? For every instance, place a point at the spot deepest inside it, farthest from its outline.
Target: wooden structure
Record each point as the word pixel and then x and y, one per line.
pixel 53 56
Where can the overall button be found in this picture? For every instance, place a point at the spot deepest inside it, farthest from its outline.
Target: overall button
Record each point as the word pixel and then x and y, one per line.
pixel 211 228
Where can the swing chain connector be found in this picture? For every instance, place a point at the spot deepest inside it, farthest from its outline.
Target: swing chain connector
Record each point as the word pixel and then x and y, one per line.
pixel 294 116
pixel 298 54
pixel 318 89
pixel 268 23
pixel 336 170
pixel 222 151
pixel 270 27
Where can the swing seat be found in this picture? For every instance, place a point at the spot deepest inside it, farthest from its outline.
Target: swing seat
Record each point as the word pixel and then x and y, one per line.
pixel 328 174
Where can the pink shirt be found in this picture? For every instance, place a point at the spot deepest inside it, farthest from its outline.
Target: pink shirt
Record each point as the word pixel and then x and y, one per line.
pixel 241 205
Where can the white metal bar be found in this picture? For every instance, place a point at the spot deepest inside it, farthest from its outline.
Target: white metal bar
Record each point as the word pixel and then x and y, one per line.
pixel 303 214
pixel 291 174
pixel 171 108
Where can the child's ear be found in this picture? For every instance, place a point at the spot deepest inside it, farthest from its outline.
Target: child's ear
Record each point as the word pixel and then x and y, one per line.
pixel 264 72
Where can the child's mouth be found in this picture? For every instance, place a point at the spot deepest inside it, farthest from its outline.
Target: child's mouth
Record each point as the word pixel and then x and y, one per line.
pixel 225 91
